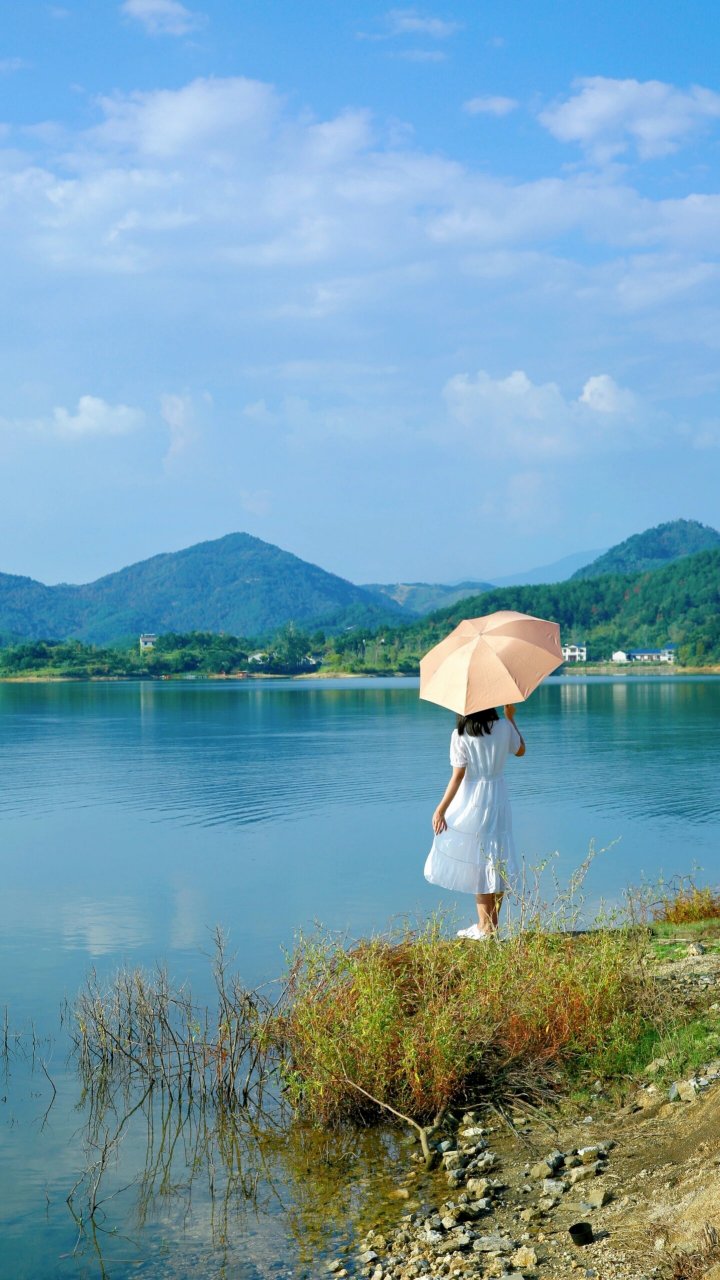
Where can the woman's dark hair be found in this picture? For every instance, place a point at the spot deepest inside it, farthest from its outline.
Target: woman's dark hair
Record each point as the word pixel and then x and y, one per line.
pixel 477 723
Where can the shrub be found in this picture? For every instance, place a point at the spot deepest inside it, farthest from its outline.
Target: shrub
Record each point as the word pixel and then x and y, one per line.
pixel 418 1023
pixel 682 902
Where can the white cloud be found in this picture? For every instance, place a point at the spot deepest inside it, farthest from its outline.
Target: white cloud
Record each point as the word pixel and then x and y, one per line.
pixel 9 65
pixel 95 417
pixel 163 17
pixel 603 395
pixel 178 414
pixel 402 22
pixel 163 123
pixel 490 106
pixel 514 416
pixel 607 117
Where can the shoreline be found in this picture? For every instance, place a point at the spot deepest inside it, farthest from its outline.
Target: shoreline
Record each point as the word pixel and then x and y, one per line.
pixel 599 670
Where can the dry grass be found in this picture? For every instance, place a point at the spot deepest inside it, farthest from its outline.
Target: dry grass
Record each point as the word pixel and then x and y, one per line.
pixel 699 1263
pixel 682 902
pixel 420 1023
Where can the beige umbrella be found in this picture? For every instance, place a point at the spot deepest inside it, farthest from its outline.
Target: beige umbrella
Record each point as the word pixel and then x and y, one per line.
pixel 490 661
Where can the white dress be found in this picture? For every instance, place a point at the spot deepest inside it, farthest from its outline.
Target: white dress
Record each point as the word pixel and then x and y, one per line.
pixel 477 852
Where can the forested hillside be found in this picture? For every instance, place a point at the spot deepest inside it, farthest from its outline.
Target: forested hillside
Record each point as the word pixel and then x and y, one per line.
pixel 654 549
pixel 238 584
pixel 678 605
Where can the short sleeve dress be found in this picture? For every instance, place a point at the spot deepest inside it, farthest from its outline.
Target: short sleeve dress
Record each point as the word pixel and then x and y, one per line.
pixel 476 854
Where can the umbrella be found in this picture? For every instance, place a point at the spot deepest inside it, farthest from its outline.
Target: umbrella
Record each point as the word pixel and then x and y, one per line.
pixel 490 661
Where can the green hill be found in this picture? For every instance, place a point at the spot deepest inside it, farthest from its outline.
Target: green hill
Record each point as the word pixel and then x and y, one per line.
pixel 654 549
pixel 678 605
pixel 419 598
pixel 237 584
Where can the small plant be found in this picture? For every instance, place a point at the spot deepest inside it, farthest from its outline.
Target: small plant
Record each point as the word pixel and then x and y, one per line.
pixel 698 1263
pixel 682 902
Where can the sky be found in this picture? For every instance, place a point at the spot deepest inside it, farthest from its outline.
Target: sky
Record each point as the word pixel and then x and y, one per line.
pixel 417 293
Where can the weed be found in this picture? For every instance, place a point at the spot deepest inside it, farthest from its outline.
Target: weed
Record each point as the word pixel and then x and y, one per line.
pixel 683 902
pixel 418 1023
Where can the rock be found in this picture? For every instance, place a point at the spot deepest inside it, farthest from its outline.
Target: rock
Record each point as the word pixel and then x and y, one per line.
pixel 656 1065
pixel 335 1265
pixel 458 1240
pixel 674 1092
pixel 529 1215
pixel 589 1155
pixel 445 1145
pixel 585 1171
pixel 696 949
pixel 547 1202
pixel 474 1210
pixel 541 1170
pixel 598 1197
pixel 377 1274
pixel 494 1243
pixel 449 1221
pixel 452 1159
pixel 524 1257
pixel 488 1161
pixel 400 1193
pixel 554 1187
pixel 367 1257
pixel 477 1187
pixel 687 1090
pixel 475 1132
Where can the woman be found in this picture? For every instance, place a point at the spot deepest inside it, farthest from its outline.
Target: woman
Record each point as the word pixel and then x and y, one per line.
pixel 473 850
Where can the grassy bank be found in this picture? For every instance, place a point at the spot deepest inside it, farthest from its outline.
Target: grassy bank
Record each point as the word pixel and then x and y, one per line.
pixel 413 1023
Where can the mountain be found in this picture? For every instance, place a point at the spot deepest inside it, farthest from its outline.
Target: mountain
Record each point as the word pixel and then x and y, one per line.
pixel 679 604
pixel 418 598
pixel 654 549
pixel 238 584
pixel 558 571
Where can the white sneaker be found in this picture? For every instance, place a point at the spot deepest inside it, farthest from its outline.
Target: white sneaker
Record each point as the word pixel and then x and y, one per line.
pixel 475 933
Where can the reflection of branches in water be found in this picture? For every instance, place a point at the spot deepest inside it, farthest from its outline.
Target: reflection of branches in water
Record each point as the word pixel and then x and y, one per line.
pixel 196 1087
pixel 140 1029
pixel 201 1096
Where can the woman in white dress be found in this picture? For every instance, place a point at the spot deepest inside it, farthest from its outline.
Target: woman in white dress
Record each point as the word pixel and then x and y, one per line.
pixel 473 850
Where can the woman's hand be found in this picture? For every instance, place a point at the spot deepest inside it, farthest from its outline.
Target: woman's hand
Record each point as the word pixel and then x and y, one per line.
pixel 438 821
pixel 509 711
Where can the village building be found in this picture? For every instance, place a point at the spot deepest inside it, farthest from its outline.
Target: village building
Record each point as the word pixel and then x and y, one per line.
pixel 653 655
pixel 147 641
pixel 574 652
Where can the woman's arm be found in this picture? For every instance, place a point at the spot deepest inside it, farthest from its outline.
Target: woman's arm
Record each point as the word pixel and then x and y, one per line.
pixel 438 819
pixel 510 715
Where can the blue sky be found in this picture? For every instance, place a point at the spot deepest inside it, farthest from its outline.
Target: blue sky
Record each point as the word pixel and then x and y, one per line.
pixel 415 292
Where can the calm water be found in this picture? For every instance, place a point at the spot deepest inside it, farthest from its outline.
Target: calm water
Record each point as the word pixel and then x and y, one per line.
pixel 135 818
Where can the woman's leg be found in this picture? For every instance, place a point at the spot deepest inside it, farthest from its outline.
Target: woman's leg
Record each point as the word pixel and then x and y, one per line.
pixel 488 909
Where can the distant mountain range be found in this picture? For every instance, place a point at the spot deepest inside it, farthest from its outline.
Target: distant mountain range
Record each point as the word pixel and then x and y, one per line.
pixel 238 584
pixel 654 549
pixel 418 598
pixel 244 586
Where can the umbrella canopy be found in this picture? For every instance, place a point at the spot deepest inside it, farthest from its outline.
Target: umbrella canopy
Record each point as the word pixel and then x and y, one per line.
pixel 490 661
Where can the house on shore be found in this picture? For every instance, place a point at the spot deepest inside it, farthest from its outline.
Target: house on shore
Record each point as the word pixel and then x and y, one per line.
pixel 653 655
pixel 574 652
pixel 646 655
pixel 147 641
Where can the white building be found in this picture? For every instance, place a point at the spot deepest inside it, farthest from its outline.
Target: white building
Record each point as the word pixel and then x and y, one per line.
pixel 620 656
pixel 653 655
pixel 147 641
pixel 574 652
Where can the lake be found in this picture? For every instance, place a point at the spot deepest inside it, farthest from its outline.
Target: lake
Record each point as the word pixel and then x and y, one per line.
pixel 136 817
